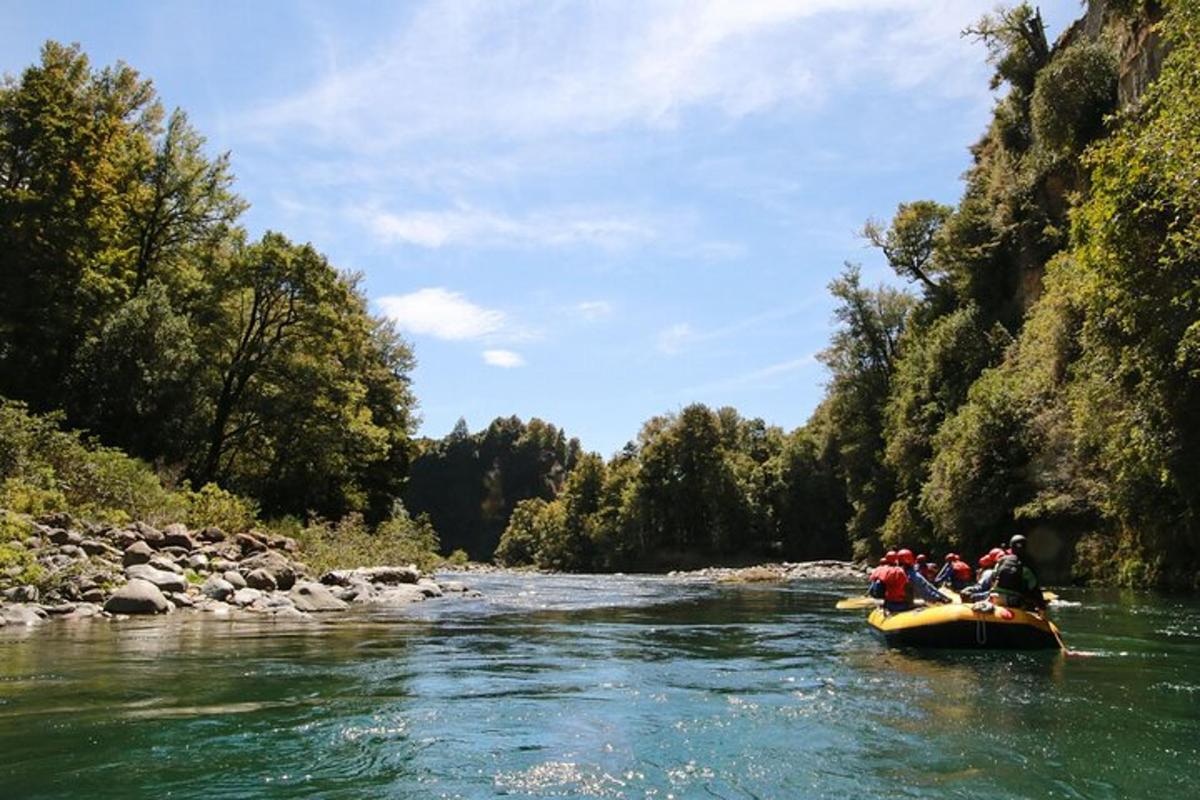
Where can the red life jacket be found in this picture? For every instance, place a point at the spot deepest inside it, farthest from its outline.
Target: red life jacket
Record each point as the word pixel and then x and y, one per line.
pixel 962 571
pixel 895 584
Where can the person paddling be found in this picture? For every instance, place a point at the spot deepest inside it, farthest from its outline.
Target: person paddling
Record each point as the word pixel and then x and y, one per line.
pixel 983 582
pixel 956 572
pixel 920 584
pixel 1015 581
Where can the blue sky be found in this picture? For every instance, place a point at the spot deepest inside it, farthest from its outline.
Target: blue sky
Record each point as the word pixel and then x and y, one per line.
pixel 590 212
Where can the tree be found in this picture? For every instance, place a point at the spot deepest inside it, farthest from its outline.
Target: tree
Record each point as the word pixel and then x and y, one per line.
pixel 909 242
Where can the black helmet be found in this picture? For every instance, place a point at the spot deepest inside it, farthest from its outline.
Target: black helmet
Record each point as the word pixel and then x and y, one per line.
pixel 1017 543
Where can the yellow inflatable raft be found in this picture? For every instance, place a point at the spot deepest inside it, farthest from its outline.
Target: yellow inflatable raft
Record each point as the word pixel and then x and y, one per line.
pixel 962 626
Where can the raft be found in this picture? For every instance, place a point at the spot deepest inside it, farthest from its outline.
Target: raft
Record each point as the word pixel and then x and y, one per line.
pixel 961 626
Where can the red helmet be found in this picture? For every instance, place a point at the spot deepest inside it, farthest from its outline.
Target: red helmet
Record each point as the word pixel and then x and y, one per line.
pixel 953 557
pixel 905 557
pixel 922 558
pixel 890 557
pixel 883 561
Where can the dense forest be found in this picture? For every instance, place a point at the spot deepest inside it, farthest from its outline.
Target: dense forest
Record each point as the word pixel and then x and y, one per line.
pixel 1041 375
pixel 1035 367
pixel 132 302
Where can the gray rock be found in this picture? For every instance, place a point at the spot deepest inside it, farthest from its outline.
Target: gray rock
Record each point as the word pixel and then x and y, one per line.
pixel 244 597
pixel 181 600
pixel 91 596
pixel 217 588
pixel 166 581
pixel 22 615
pixel 211 534
pixel 250 544
pixel 429 588
pixel 83 611
pixel 453 587
pixel 222 565
pixel 150 535
pixel 59 610
pixel 391 575
pixel 137 553
pixel 177 536
pixel 72 550
pixel 235 578
pixel 285 543
pixel 23 594
pixel 289 612
pixel 278 566
pixel 262 580
pixel 166 564
pixel 314 597
pixel 123 539
pixel 137 597
pixel 94 547
pixel 61 536
pixel 198 562
pixel 402 595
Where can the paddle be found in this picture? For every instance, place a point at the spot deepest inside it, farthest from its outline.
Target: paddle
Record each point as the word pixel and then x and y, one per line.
pixel 856 603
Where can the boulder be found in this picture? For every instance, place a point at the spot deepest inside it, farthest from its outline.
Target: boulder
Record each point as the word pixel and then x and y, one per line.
pixel 166 564
pixel 94 547
pixel 123 539
pixel 59 610
pixel 391 575
pixel 197 562
pixel 211 534
pixel 93 596
pixel 262 580
pixel 285 543
pixel 281 570
pixel 150 535
pixel 83 611
pixel 429 588
pixel 137 597
pixel 250 544
pixel 177 536
pixel 164 580
pixel 244 597
pixel 314 597
pixel 217 588
pixel 181 600
pixel 453 586
pixel 220 565
pixel 22 594
pixel 63 536
pixel 402 595
pixel 22 615
pixel 137 553
pixel 235 578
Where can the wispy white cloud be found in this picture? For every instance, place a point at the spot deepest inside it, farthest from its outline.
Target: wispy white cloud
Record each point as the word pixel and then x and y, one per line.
pixel 441 313
pixel 505 359
pixel 476 69
pixel 673 339
pixel 754 378
pixel 478 228
pixel 592 310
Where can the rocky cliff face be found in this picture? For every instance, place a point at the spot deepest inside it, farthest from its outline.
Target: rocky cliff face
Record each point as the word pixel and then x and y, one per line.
pixel 1140 48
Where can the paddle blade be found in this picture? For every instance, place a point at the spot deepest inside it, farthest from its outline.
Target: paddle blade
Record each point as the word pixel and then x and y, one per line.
pixel 855 603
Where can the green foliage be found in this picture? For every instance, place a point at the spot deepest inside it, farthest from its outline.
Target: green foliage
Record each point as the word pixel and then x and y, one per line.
pixel 1072 97
pixel 131 299
pixel 698 487
pixel 470 484
pixel 350 543
pixel 213 506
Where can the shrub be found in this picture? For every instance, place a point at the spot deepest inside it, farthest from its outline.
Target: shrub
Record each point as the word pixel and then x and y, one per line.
pixel 349 543
pixel 214 506
pixel 1073 95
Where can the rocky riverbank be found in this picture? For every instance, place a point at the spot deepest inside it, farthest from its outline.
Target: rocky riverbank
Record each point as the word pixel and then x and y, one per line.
pixel 826 570
pixel 109 572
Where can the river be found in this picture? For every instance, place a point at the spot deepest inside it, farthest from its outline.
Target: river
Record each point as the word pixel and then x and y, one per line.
pixel 613 687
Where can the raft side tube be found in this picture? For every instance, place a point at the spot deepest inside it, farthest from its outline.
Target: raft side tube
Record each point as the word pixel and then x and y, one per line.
pixel 960 626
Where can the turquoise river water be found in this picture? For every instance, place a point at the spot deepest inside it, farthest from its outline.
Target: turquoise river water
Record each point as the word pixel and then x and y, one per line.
pixel 613 687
